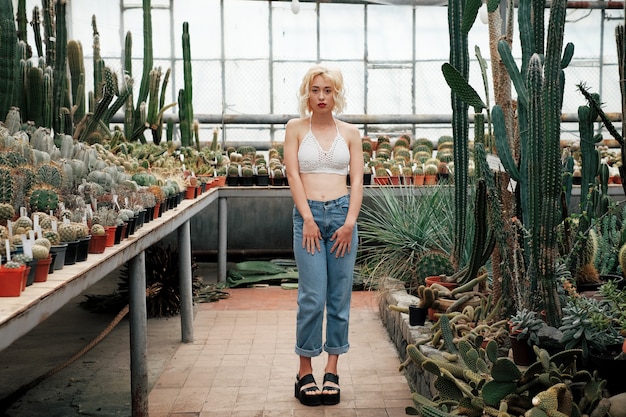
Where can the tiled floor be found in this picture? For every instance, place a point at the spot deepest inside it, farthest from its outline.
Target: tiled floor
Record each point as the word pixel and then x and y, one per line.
pixel 242 363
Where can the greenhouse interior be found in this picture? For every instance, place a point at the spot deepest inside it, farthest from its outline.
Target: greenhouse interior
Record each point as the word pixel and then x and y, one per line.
pixel 384 207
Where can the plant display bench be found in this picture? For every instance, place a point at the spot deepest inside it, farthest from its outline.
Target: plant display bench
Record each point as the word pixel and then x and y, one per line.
pixel 19 315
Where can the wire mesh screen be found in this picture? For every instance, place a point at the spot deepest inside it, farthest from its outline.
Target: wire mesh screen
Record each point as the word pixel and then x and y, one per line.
pixel 252 61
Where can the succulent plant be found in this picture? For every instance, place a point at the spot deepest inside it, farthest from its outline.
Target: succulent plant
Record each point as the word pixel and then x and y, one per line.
pixel 525 324
pixel 42 241
pixel 53 236
pixel 43 198
pixel 13 265
pixel 40 251
pixel 98 230
pixel 67 232
pixel 21 258
pixel 22 225
pixel 7 212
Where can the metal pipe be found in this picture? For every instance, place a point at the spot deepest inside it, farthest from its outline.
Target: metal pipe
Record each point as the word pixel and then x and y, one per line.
pixel 186 295
pixel 138 336
pixel 252 119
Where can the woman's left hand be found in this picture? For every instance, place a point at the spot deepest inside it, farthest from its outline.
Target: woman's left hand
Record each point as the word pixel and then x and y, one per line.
pixel 342 239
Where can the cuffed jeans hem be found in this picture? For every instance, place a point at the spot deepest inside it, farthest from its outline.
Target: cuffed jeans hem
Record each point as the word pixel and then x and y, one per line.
pixel 336 350
pixel 308 353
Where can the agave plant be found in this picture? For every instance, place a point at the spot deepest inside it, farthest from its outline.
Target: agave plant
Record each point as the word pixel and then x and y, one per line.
pixel 401 225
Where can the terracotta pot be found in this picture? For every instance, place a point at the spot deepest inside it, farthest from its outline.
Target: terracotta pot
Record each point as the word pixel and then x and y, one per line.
pixel 220 181
pixel 430 179
pixel 437 279
pixel 395 180
pixel 98 243
pixel 382 180
pixel 43 269
pixel 11 281
pixel 110 241
pixel 190 193
pixel 418 180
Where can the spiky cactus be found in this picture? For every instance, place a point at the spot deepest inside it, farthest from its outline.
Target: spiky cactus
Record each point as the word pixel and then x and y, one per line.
pixel 539 88
pixel 67 232
pixel 53 236
pixel 40 251
pixel 43 198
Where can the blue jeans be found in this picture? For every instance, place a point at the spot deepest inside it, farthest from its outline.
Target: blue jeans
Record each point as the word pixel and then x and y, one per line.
pixel 324 281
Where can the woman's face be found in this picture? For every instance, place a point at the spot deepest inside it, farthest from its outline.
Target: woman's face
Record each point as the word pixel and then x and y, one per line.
pixel 321 95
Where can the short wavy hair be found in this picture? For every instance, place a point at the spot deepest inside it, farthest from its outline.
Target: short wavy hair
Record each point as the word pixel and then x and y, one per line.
pixel 331 74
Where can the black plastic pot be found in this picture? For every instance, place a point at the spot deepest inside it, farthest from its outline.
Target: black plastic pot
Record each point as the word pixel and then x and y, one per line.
pixel 417 315
pixel 609 368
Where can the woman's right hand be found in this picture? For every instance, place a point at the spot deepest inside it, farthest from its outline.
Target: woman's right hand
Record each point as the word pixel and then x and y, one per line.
pixel 311 236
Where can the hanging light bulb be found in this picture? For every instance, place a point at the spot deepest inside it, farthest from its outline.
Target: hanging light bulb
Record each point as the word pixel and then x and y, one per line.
pixel 295 6
pixel 483 14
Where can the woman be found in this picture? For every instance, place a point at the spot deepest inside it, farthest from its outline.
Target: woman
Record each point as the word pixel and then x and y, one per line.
pixel 319 152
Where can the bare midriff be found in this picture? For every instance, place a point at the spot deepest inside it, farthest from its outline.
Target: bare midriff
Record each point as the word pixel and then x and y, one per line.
pixel 324 187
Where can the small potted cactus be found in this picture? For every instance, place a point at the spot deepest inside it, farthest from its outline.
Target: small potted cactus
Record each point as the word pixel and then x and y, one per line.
pixel 99 236
pixel 12 279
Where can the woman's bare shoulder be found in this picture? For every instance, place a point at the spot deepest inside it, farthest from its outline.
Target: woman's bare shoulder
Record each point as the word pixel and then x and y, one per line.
pixel 348 129
pixel 297 122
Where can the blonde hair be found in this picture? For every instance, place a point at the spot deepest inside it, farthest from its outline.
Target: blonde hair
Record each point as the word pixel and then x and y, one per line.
pixel 331 74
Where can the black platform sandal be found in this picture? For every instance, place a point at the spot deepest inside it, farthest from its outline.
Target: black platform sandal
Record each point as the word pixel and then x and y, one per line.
pixel 305 395
pixel 331 395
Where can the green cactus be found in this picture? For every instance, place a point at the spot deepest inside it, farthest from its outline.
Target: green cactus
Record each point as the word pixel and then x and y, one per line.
pixel 76 67
pixel 40 251
pixel 51 175
pixel 59 98
pixel 53 236
pixel 67 232
pixel 7 184
pixel 539 88
pixel 7 212
pixel 185 95
pixel 43 198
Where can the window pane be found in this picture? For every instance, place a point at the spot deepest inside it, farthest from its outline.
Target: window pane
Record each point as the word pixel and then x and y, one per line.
pixel 246 29
pixel 341 31
pixel 204 28
pixel 247 87
pixel 294 36
pixel 389 91
pixel 389 33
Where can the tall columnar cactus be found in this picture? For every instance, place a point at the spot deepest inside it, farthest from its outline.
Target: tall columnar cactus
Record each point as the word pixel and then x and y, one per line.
pixel 8 45
pixel 185 96
pixel 60 64
pixel 459 59
pixel 34 98
pixel 539 175
pixel 6 185
pixel 144 87
pixel 76 65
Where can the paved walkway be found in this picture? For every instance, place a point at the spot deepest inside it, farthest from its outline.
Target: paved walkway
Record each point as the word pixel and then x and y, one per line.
pixel 242 363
